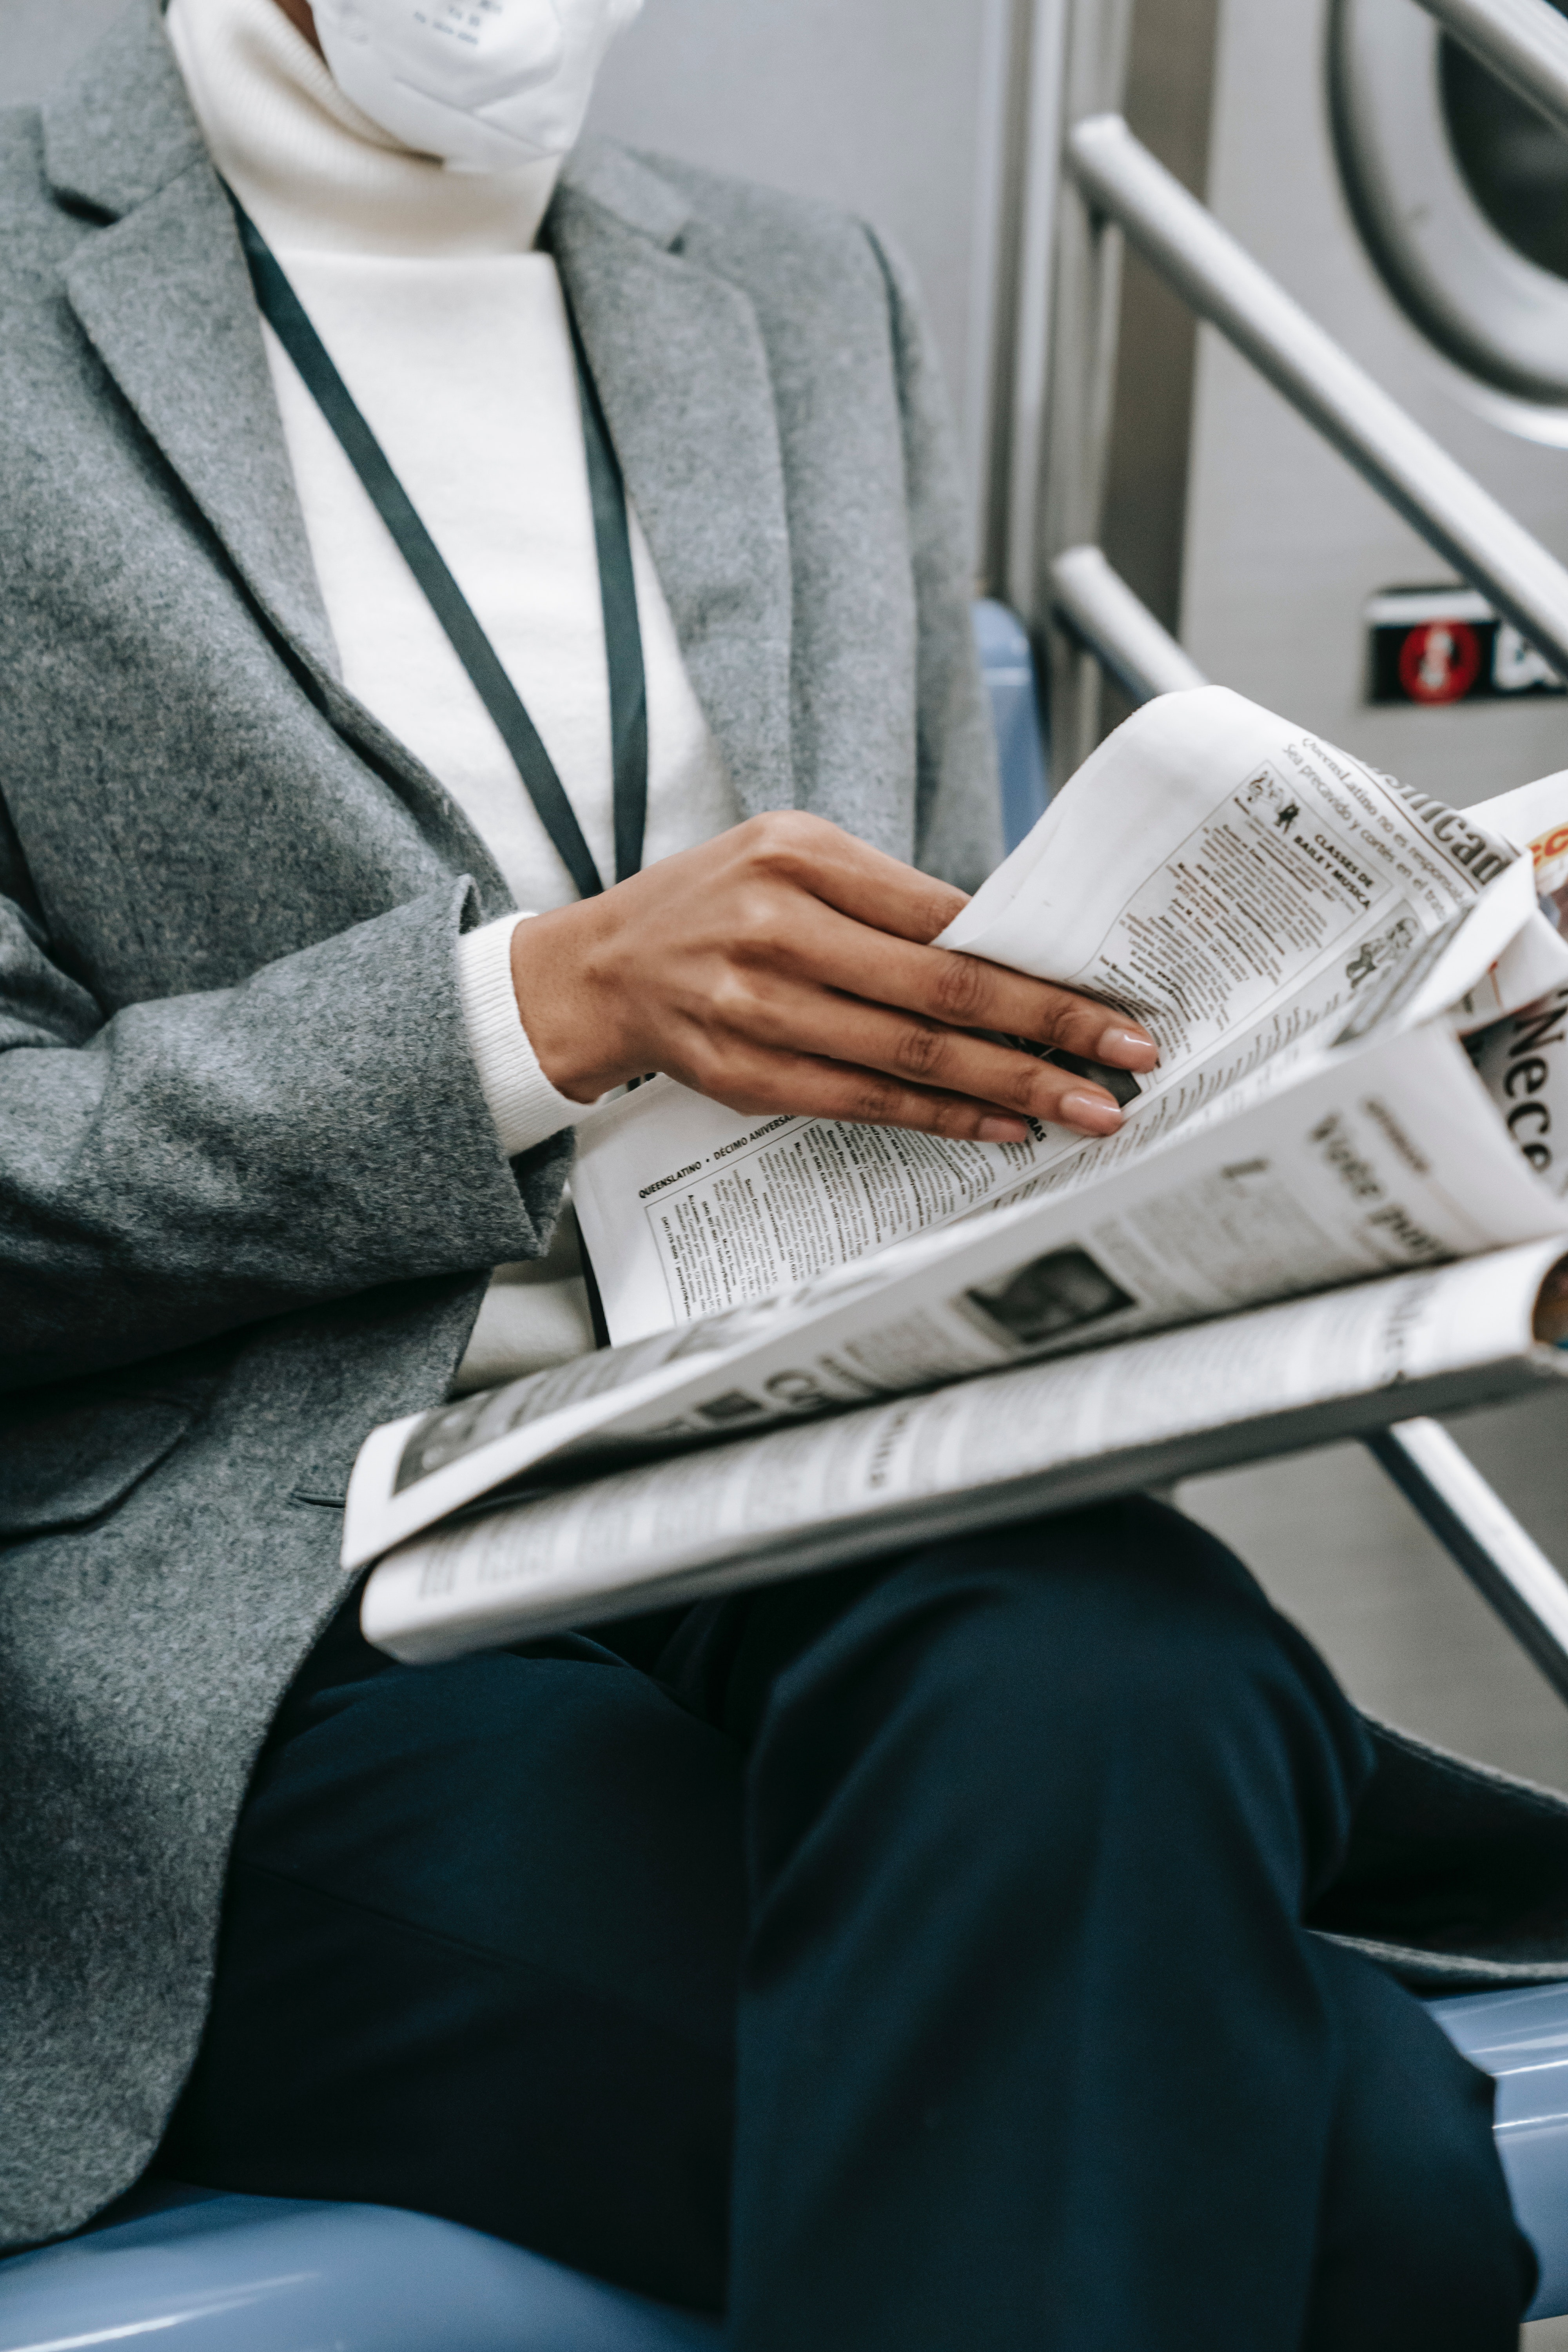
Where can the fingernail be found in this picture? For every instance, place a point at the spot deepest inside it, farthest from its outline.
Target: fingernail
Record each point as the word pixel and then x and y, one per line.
pixel 1096 1114
pixel 1126 1048
pixel 1003 1130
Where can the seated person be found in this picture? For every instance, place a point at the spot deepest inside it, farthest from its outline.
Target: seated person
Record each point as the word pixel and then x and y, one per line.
pixel 911 1956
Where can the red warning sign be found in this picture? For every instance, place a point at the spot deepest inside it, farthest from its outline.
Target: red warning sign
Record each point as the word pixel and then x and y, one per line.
pixel 1439 661
pixel 1447 644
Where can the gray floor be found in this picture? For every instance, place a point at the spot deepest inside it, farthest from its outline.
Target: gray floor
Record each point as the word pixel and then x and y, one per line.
pixel 1340 1551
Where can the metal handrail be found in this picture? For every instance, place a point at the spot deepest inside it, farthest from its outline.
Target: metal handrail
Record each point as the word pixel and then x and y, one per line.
pixel 1481 1536
pixel 1523 42
pixel 1118 627
pixel 1204 265
pixel 1473 1524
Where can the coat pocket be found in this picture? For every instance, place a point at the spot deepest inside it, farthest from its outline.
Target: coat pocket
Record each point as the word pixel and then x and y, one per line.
pixel 63 1468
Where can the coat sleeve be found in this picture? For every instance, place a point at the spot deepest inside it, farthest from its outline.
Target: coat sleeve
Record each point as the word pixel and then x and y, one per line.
pixel 958 817
pixel 185 1167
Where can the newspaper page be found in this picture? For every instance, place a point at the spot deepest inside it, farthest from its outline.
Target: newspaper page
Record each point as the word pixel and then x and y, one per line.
pixel 921 1468
pixel 1212 870
pixel 1523 1058
pixel 1523 1064
pixel 1535 818
pixel 1535 821
pixel 1386 1156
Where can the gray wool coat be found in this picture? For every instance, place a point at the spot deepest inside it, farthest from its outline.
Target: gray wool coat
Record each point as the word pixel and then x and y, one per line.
pixel 249 1189
pixel 248 1185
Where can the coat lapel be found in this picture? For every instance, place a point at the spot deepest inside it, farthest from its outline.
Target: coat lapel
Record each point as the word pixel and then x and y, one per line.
pixel 682 372
pixel 165 297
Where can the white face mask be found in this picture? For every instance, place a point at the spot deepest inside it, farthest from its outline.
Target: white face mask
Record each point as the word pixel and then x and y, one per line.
pixel 487 84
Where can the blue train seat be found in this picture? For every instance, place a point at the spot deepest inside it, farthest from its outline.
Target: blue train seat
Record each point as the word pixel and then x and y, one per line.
pixel 236 2274
pixel 1008 663
pixel 220 2274
pixel 1522 2038
pixel 276 2274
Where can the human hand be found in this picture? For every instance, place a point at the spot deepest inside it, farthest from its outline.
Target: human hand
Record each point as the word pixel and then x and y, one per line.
pixel 786 967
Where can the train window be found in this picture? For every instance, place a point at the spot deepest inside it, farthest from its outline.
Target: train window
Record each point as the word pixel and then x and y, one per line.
pixel 1461 193
pixel 1514 164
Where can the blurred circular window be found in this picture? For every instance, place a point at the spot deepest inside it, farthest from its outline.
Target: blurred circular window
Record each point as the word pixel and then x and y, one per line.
pixel 1514 164
pixel 1459 191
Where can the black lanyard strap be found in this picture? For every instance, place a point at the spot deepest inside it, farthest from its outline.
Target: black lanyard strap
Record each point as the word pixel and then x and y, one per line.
pixel 285 313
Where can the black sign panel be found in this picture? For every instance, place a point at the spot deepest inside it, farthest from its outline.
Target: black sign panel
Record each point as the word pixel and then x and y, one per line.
pixel 1440 646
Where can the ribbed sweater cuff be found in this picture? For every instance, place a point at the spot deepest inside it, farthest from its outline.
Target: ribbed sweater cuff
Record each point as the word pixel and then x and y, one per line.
pixel 525 1106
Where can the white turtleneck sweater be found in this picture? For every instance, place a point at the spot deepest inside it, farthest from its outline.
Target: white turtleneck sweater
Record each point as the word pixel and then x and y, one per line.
pixel 451 333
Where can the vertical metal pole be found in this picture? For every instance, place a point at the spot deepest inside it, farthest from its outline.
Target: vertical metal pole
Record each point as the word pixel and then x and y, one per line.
pixel 1042 27
pixel 993 274
pixel 1085 282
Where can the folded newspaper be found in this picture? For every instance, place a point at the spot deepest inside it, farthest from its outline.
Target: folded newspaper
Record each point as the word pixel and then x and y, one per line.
pixel 1341 1200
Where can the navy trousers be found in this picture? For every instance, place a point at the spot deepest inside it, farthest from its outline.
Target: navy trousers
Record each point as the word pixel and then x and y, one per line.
pixel 902 1959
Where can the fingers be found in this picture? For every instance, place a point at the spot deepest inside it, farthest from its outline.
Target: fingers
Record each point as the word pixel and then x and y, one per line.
pixel 811 1089
pixel 787 967
pixel 848 875
pixel 958 991
pixel 928 1054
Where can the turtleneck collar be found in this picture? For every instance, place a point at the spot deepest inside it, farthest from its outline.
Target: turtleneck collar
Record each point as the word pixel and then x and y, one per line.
pixel 315 173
